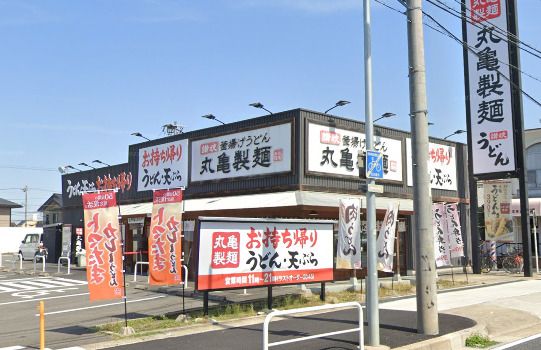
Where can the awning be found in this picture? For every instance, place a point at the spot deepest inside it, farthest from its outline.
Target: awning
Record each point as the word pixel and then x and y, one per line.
pixel 533 203
pixel 139 209
pixel 266 200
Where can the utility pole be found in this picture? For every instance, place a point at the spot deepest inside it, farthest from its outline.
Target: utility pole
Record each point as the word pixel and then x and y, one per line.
pixel 425 263
pixel 25 190
pixel 372 302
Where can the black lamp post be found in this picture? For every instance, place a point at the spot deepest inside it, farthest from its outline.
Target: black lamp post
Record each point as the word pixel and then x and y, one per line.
pixel 138 134
pixel 459 131
pixel 260 106
pixel 100 162
pixel 212 117
pixel 84 164
pixel 338 104
pixel 385 115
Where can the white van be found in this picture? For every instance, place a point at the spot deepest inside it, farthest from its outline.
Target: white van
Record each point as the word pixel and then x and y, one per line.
pixel 29 245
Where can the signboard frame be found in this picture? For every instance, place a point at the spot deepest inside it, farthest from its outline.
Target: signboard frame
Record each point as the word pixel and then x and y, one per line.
pixel 360 171
pixel 293 155
pixel 197 243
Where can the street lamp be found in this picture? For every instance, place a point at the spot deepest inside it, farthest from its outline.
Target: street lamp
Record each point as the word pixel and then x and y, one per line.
pixel 459 131
pixel 385 115
pixel 259 105
pixel 84 164
pixel 340 103
pixel 100 162
pixel 212 117
pixel 71 167
pixel 138 134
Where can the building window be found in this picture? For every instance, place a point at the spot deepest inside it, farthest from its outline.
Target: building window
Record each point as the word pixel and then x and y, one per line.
pixel 531 178
pixel 47 219
pixel 55 218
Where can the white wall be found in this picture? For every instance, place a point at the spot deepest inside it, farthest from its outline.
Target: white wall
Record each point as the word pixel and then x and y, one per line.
pixel 11 237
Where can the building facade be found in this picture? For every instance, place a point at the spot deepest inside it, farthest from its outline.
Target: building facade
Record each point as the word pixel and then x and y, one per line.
pixel 293 164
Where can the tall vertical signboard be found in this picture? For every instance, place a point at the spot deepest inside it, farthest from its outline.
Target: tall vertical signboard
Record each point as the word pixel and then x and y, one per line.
pixel 103 245
pixel 494 105
pixel 164 240
pixel 491 116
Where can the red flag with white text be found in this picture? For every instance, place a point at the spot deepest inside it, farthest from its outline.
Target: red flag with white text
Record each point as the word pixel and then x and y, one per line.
pixel 165 239
pixel 103 246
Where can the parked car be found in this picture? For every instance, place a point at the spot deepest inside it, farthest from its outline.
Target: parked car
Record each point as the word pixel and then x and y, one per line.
pixel 30 245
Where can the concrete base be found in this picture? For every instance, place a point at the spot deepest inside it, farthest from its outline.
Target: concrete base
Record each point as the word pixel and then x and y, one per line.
pixel 355 285
pixel 182 318
pixel 395 284
pixel 127 331
pixel 305 291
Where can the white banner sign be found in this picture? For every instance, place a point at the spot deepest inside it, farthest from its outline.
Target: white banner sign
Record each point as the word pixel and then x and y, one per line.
pixel 163 166
pixel 441 236
pixel 498 219
pixel 255 152
pixel 441 166
pixel 348 250
pixel 454 230
pixel 334 151
pixel 386 238
pixel 239 254
pixel 491 123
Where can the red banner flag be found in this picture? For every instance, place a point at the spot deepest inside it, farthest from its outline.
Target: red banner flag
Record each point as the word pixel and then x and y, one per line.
pixel 164 240
pixel 103 246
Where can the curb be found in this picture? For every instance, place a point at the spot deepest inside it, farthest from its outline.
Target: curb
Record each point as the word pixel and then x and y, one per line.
pixel 451 341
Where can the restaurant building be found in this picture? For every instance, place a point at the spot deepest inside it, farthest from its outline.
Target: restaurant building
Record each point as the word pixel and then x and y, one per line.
pixel 293 164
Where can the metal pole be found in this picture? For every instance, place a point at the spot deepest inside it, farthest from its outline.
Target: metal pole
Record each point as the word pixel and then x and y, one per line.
pixel 516 97
pixel 427 307
pixel 183 305
pixel 205 303
pixel 322 292
pixel 269 297
pixel 122 235
pixel 41 325
pixel 372 302
pixel 472 181
pixel 535 243
pixel 25 190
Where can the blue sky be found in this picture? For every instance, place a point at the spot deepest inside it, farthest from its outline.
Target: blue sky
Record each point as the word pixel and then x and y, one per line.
pixel 78 77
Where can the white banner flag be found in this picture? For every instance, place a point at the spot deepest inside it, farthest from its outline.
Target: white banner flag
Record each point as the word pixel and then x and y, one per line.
pixel 498 219
pixel 385 242
pixel 439 229
pixel 348 250
pixel 456 244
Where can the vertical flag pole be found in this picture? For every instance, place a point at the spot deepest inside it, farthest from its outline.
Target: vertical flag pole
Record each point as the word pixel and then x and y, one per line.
pixel 122 236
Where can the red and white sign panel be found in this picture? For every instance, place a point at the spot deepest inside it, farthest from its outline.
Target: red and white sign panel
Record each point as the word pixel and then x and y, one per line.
pixel 491 119
pixel 165 238
pixel 254 253
pixel 103 246
pixel 441 165
pixel 163 166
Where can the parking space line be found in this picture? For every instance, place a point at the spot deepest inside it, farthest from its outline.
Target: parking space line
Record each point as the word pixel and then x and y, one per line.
pixel 104 305
pixel 37 299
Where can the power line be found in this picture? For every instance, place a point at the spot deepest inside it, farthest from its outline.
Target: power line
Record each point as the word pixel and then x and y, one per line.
pixel 27 168
pixel 504 31
pixel 403 13
pixel 455 13
pixel 462 43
